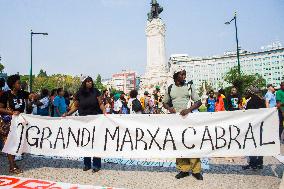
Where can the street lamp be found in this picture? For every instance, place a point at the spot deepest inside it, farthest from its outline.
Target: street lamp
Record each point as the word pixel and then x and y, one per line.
pixel 237 40
pixel 31 70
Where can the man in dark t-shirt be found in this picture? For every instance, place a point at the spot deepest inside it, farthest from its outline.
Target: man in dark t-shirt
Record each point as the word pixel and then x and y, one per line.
pixel 254 101
pixel 234 100
pixel 15 101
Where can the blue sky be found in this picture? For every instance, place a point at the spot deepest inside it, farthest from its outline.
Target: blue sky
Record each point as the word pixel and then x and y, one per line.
pixel 107 36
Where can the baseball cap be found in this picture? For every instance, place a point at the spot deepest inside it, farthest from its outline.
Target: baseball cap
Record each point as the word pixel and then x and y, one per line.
pixel 146 93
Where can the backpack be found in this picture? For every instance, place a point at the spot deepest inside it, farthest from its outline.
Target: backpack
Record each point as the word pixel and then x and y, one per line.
pixel 170 88
pixel 136 105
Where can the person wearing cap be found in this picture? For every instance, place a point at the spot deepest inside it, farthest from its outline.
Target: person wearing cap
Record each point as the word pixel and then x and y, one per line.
pixel 255 101
pixel 117 107
pixel 270 97
pixel 280 106
pixel 88 101
pixel 176 99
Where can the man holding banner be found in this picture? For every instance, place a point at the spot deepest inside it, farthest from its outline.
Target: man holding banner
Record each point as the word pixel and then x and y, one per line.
pixel 178 98
pixel 254 101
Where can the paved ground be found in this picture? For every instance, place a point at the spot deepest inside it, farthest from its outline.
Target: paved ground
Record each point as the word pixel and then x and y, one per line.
pixel 222 174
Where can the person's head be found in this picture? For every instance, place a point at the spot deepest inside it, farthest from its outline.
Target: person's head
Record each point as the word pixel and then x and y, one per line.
pixel 122 96
pixel 14 82
pixel 106 92
pixel 60 92
pixel 133 94
pixel 221 92
pixel 66 94
pixel 87 86
pixel 180 76
pixel 44 93
pixel 271 88
pixel 158 89
pixel 282 85
pixel 2 83
pixel 211 93
pixel 251 91
pixel 88 83
pixel 116 96
pixel 34 96
pixel 146 94
pixel 234 91
pixel 24 85
pixel 53 92
pixel 109 101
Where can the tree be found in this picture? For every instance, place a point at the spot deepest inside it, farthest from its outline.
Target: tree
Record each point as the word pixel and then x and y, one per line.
pixel 208 87
pixel 98 83
pixel 2 67
pixel 42 73
pixel 243 81
pixel 69 83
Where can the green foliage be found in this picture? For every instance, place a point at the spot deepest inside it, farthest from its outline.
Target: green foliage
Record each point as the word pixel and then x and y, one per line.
pixel 42 73
pixel 243 81
pixel 208 87
pixel 115 91
pixel 2 67
pixel 98 83
pixel 69 83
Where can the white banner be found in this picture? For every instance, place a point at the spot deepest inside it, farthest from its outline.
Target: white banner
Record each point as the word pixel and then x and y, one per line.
pixel 220 134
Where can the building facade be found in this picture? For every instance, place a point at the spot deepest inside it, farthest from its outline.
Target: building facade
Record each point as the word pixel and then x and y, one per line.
pixel 268 63
pixel 124 81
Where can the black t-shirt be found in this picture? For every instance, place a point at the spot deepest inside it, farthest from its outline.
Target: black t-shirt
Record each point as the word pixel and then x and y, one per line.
pixel 233 102
pixel 16 102
pixel 255 103
pixel 88 103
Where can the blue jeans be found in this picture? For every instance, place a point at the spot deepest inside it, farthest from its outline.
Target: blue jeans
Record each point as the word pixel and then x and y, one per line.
pixel 1 144
pixel 96 162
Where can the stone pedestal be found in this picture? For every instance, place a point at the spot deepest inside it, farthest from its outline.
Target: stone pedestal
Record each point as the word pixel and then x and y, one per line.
pixel 156 69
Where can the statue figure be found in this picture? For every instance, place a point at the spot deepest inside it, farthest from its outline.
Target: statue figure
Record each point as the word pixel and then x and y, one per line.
pixel 156 9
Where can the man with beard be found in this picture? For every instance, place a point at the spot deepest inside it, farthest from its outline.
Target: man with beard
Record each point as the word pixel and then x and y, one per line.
pixel 176 100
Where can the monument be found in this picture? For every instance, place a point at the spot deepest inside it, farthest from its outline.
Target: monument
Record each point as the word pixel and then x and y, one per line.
pixel 156 70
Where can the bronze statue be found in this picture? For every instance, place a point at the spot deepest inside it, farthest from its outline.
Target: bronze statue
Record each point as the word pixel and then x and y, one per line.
pixel 156 9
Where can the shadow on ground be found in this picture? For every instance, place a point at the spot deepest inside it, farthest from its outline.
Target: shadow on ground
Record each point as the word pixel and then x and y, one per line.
pixel 29 163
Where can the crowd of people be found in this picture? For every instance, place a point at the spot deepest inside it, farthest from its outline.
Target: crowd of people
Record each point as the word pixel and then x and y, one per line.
pixel 180 97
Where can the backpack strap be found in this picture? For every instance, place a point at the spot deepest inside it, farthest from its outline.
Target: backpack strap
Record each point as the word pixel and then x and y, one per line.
pixel 169 90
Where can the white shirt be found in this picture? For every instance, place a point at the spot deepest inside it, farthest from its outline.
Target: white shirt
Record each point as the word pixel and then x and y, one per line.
pixel 117 105
pixel 45 102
